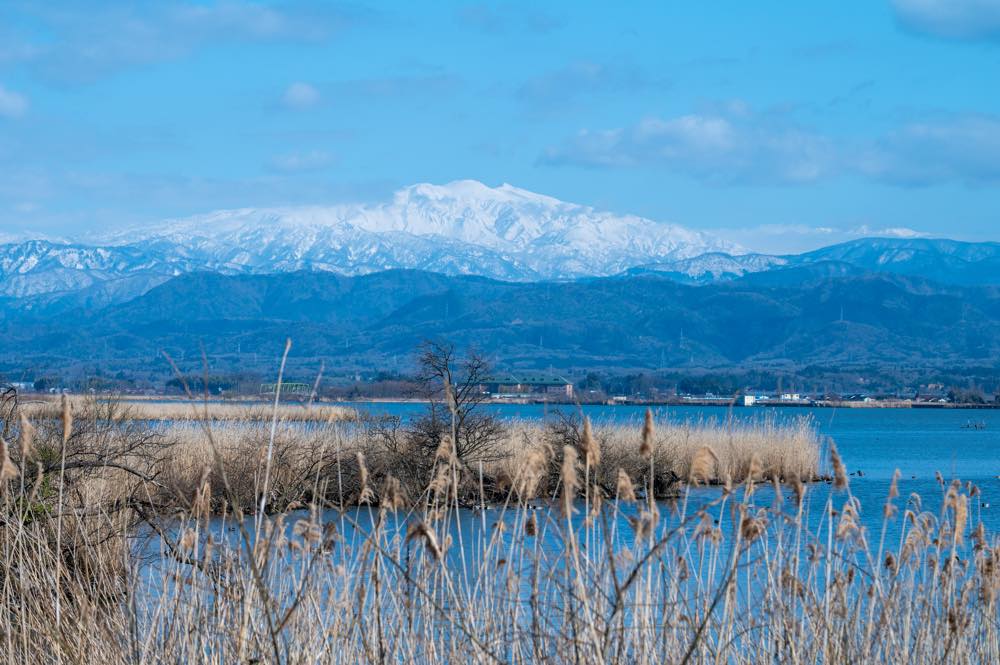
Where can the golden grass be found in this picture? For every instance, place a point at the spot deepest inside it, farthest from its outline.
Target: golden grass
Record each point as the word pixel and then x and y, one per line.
pixel 756 450
pixel 308 458
pixel 183 410
pixel 90 572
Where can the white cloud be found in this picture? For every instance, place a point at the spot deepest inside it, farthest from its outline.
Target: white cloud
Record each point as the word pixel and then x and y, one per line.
pixel 737 146
pixel 949 149
pixel 951 19
pixel 731 146
pixel 798 238
pixel 300 95
pixel 94 41
pixel 865 231
pixel 299 162
pixel 564 85
pixel 12 104
pixel 506 18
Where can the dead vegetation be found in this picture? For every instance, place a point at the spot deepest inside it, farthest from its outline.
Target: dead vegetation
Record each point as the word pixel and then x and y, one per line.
pixel 197 410
pixel 235 542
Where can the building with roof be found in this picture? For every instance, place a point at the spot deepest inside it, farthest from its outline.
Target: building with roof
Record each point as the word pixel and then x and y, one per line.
pixel 529 385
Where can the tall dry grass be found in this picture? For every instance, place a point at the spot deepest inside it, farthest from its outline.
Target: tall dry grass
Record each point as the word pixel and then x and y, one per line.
pixel 91 574
pixel 193 411
pixel 327 454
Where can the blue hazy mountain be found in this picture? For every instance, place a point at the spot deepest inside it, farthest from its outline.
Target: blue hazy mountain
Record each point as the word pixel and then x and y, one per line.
pixel 821 313
pixel 943 261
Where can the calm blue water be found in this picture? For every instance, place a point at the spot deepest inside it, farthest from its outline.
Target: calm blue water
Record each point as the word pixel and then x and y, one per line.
pixel 875 441
pixel 918 442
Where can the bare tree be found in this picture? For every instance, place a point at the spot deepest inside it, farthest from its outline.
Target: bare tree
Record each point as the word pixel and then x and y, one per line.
pixel 455 387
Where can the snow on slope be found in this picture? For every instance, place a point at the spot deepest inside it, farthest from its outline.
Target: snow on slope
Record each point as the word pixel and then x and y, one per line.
pixel 714 266
pixel 463 227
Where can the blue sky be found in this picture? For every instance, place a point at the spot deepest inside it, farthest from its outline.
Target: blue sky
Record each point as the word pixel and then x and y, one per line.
pixel 784 125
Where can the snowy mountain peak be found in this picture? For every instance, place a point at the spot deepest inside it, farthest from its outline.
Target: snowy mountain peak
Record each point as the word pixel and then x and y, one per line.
pixel 544 236
pixel 462 227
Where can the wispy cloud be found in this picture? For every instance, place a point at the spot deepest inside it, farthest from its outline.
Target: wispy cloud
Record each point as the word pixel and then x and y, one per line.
pixel 963 148
pixel 499 19
pixel 951 19
pixel 70 201
pixel 300 162
pixel 93 41
pixel 736 146
pixel 586 78
pixel 300 96
pixel 12 104
pixel 739 146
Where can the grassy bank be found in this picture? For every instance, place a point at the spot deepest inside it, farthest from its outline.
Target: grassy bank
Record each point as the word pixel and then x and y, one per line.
pixel 321 463
pixel 185 410
pixel 288 572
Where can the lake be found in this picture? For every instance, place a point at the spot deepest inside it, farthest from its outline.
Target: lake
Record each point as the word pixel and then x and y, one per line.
pixel 876 442
pixel 495 567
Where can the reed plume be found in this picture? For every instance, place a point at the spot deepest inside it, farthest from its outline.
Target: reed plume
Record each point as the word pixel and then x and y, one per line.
pixel 702 465
pixel 445 450
pixel 365 494
pixel 67 419
pixel 752 526
pixel 392 496
pixel 530 474
pixel 591 449
pixel 646 447
pixel 26 438
pixel 570 480
pixel 8 471
pixel 421 530
pixel 839 471
pixel 625 489
pixel 798 487
pixel 201 505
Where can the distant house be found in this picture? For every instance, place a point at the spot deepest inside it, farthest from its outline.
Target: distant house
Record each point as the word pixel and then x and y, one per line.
pixel 287 388
pixel 529 385
pixel 747 400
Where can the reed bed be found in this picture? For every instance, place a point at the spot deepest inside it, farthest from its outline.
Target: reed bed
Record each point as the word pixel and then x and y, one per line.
pixel 190 411
pixel 758 450
pixel 728 452
pixel 562 569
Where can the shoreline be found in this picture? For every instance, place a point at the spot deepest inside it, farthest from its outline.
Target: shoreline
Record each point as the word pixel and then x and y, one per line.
pixel 693 402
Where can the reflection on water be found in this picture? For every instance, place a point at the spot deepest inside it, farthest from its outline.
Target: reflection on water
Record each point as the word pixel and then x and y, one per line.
pixel 470 530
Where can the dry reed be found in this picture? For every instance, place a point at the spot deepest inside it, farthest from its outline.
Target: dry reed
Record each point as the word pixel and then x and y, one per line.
pixel 424 580
pixel 179 411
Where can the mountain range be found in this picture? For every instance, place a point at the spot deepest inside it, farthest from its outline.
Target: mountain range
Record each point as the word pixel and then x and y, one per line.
pixel 622 322
pixel 532 279
pixel 464 227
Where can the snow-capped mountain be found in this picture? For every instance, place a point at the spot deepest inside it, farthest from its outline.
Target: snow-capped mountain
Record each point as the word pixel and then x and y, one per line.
pixel 713 266
pixel 935 260
pixel 35 267
pixel 464 227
